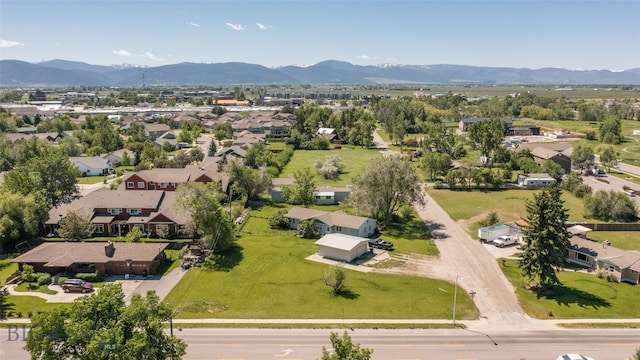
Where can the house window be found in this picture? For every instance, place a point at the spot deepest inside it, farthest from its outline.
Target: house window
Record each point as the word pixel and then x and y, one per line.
pixel 140 184
pixel 114 211
pixel 338 228
pixel 581 256
pixel 98 228
pixel 129 184
pixel 163 185
pixel 133 211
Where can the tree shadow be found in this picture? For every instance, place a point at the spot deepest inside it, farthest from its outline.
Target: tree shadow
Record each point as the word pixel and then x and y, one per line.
pixel 410 228
pixel 347 294
pixel 6 307
pixel 564 295
pixel 437 230
pixel 226 260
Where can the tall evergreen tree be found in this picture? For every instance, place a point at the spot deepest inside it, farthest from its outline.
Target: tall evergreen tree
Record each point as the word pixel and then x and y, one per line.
pixel 546 239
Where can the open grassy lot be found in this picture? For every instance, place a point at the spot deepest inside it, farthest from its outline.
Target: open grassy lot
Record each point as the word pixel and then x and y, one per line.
pixel 354 158
pixel 24 287
pixel 626 240
pixel 509 204
pixel 582 296
pixel 267 276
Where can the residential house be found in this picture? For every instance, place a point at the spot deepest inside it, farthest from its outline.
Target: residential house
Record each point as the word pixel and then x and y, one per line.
pixel 623 265
pixel 535 181
pixel 326 195
pixel 328 133
pixel 342 247
pixel 154 131
pixel 524 131
pixel 168 179
pixel 110 258
pixel 168 137
pixel 332 222
pixel 465 124
pixel 92 165
pixel 247 139
pixel 558 152
pixel 115 212
pixel 235 151
pixel 116 157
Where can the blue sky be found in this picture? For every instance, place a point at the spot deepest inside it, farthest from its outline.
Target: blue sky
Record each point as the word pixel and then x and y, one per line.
pixel 516 33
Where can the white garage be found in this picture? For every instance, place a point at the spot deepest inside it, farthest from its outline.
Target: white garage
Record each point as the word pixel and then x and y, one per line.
pixel 342 247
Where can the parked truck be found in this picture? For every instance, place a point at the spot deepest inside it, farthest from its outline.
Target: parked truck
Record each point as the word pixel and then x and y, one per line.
pixel 505 240
pixel 490 233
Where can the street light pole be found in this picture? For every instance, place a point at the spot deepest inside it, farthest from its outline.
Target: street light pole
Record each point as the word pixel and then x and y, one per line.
pixel 455 300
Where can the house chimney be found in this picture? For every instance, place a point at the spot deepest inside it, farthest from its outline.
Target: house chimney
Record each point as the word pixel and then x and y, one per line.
pixel 109 249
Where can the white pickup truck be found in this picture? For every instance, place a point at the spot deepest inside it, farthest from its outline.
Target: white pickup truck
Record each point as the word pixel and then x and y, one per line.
pixel 505 240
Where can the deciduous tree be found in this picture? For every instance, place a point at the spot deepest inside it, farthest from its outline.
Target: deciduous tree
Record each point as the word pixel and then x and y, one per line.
pixel 102 326
pixel 19 218
pixel 385 186
pixel 208 218
pixel 487 136
pixel 301 191
pixel 582 156
pixel 345 349
pixel 74 227
pixel 251 182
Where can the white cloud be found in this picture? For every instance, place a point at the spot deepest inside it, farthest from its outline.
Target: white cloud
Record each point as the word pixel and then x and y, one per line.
pixel 236 27
pixel 8 43
pixel 391 59
pixel 263 27
pixel 193 24
pixel 364 57
pixel 150 56
pixel 122 52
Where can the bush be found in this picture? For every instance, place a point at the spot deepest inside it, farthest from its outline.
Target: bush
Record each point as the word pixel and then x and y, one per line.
pixel 278 221
pixel 44 279
pixel 62 279
pixel 90 277
pixel 581 190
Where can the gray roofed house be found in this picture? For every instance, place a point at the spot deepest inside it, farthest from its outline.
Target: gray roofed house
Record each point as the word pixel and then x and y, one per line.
pixel 92 165
pixel 624 265
pixel 154 131
pixel 332 222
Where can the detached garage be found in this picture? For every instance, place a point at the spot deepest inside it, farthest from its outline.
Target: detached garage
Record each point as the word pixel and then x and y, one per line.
pixel 342 247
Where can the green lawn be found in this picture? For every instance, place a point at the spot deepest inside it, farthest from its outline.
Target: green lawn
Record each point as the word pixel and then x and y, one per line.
pixel 268 277
pixel 88 180
pixel 6 269
pixel 354 158
pixel 582 296
pixel 24 287
pixel 626 240
pixel 23 306
pixel 509 204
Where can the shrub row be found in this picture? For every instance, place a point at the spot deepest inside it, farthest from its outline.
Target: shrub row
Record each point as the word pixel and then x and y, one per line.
pixel 90 277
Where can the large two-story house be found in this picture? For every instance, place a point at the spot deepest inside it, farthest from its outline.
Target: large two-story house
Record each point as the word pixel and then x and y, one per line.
pixel 168 179
pixel 115 213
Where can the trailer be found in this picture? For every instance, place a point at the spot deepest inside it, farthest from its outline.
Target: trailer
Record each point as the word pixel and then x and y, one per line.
pixel 490 233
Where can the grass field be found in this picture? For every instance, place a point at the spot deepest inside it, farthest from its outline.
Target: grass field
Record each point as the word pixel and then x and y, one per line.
pixel 268 277
pixel 626 240
pixel 582 296
pixel 508 204
pixel 354 158
pixel 23 306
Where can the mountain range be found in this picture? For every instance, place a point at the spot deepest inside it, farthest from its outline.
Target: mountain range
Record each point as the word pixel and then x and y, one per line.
pixel 61 73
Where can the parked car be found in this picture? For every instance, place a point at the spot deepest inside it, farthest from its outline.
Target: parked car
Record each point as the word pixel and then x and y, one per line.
pixel 380 244
pixel 630 192
pixel 75 285
pixel 574 357
pixel 505 240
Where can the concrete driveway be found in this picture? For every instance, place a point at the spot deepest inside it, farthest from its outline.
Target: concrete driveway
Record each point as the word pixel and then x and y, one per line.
pixel 136 285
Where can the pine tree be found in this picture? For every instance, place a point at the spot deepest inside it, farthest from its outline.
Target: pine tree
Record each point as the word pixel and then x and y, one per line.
pixel 546 239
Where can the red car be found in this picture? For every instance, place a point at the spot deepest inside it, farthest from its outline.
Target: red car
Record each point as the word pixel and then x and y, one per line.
pixel 77 285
